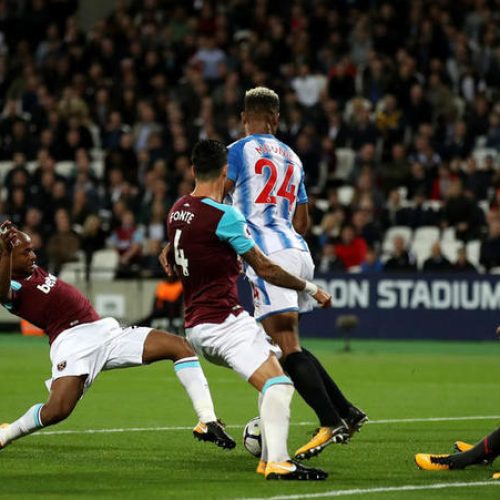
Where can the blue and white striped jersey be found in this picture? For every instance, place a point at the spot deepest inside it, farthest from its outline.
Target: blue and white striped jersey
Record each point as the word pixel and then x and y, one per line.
pixel 269 183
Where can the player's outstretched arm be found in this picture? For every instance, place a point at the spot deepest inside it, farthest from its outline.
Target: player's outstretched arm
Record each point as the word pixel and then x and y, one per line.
pixel 276 275
pixel 7 237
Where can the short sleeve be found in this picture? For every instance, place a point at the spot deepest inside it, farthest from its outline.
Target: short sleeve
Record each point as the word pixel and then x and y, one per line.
pixel 233 229
pixel 234 161
pixel 15 287
pixel 302 194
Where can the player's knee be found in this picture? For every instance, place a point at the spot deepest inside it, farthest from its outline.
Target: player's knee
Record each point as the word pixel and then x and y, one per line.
pixel 54 413
pixel 184 350
pixel 288 343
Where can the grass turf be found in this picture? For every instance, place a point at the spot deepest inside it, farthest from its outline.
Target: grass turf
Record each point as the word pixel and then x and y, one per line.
pixel 389 380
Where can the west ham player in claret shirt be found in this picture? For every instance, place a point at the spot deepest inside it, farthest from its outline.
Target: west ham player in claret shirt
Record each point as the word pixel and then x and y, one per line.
pixel 205 239
pixel 83 344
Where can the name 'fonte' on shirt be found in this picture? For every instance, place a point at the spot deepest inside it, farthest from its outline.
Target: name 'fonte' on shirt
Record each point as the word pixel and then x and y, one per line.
pixel 182 215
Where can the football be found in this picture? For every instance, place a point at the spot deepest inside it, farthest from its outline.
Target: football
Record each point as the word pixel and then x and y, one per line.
pixel 252 440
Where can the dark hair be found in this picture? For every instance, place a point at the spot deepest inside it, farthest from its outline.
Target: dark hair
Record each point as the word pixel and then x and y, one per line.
pixel 208 158
pixel 262 100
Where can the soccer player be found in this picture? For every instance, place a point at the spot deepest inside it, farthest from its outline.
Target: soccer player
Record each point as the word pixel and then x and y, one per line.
pixel 266 182
pixel 205 239
pixel 83 344
pixel 484 452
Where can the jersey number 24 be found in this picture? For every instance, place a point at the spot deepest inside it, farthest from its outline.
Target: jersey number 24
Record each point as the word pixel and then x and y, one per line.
pixel 267 194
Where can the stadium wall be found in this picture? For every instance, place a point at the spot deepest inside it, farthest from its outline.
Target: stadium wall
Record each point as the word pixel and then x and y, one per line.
pixel 388 306
pixel 406 306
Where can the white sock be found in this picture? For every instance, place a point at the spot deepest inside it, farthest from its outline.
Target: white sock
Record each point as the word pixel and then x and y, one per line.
pixel 193 379
pixel 27 424
pixel 275 413
pixel 263 453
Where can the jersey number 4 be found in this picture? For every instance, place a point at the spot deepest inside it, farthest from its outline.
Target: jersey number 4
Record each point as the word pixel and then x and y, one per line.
pixel 180 259
pixel 267 194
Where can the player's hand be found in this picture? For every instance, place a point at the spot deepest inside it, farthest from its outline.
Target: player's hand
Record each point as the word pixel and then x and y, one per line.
pixel 498 332
pixel 9 237
pixel 165 264
pixel 323 298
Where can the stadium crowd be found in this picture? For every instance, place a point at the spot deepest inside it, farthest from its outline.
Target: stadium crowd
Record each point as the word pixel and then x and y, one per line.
pixel 393 107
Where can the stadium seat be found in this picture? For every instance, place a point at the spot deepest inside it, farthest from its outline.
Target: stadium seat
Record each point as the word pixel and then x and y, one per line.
pixel 473 251
pixel 480 155
pixel 345 162
pixel 72 272
pixel 404 231
pixel 65 168
pixel 422 251
pixel 449 234
pixel 5 166
pixel 104 264
pixel 450 248
pixel 345 194
pixel 427 234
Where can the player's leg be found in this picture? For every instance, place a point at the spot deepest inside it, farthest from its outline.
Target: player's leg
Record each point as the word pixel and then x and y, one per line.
pixel 159 345
pixel 353 416
pixel 282 328
pixel 64 395
pixel 485 450
pixel 276 392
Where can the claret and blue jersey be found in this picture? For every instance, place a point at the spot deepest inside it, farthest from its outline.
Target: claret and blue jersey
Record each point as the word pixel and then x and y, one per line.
pixel 269 183
pixel 206 239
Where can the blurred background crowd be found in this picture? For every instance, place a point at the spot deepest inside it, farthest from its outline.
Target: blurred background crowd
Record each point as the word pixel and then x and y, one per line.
pixel 393 107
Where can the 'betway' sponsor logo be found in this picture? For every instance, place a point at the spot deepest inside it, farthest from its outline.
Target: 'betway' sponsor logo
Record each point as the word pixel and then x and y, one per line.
pixel 49 282
pixel 414 294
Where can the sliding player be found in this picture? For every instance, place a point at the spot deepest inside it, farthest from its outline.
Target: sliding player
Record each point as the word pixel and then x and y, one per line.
pixel 83 344
pixel 485 451
pixel 206 238
pixel 266 180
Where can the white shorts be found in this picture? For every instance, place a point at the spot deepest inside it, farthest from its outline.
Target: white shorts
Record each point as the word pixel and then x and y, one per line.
pixel 91 348
pixel 238 343
pixel 270 299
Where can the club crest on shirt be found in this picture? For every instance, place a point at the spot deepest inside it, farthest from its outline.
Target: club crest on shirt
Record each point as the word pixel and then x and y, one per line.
pixel 61 366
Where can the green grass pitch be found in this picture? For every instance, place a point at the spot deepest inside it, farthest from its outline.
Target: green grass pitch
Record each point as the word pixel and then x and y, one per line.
pixel 389 380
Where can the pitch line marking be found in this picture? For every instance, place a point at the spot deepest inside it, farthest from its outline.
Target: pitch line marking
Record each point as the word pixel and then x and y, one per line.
pixel 299 424
pixel 387 489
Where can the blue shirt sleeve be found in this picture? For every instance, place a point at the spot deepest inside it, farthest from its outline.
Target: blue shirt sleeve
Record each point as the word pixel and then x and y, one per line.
pixel 234 161
pixel 302 194
pixel 15 286
pixel 232 228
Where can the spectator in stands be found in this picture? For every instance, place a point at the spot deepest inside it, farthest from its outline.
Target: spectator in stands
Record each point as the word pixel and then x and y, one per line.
pixel 372 262
pixel 93 238
pixel 63 244
pixel 329 262
pixel 463 264
pixel 490 246
pixel 493 132
pixel 364 225
pixel 351 248
pixel 332 222
pixel 401 260
pixel 153 76
pixel 437 262
pixel 128 239
pixel 155 235
pixel 396 171
pixel 461 212
pixel 419 215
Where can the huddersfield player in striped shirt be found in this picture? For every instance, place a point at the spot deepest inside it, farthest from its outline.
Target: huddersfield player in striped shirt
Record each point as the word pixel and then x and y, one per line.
pixel 266 182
